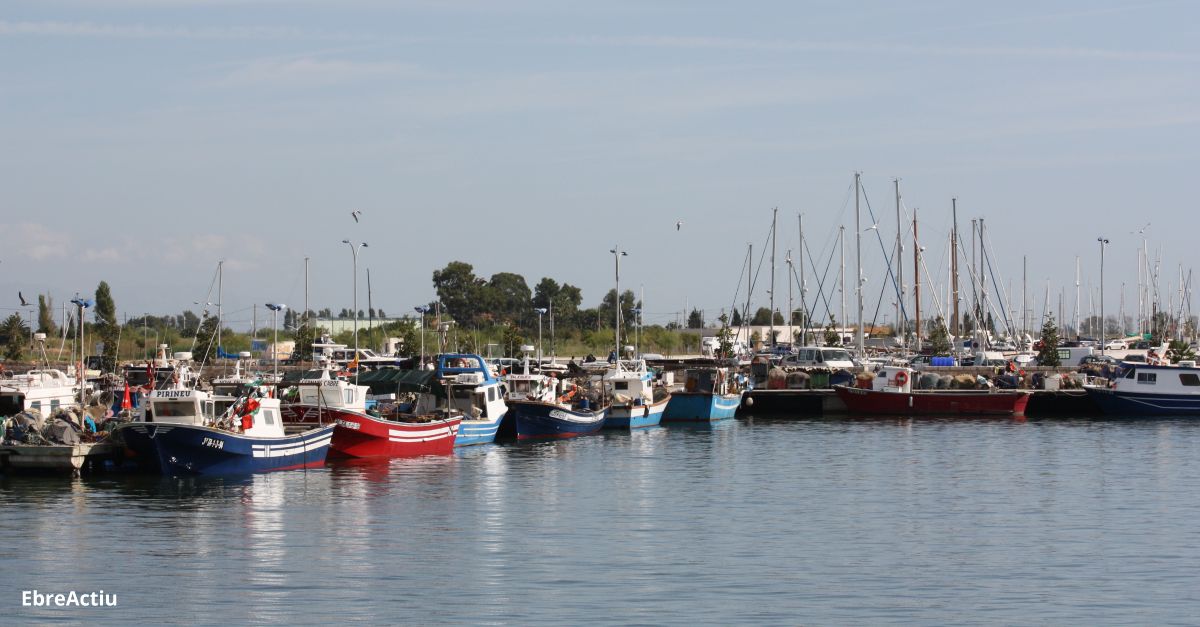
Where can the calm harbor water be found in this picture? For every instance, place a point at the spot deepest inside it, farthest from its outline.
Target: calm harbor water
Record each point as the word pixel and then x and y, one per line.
pixel 815 521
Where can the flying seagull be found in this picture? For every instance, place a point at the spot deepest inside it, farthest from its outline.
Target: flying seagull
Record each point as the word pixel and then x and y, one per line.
pixel 355 214
pixel 679 225
pixel 22 297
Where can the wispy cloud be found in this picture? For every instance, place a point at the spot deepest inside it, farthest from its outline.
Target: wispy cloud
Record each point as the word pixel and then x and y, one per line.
pixel 144 31
pixel 27 240
pixel 776 45
pixel 313 72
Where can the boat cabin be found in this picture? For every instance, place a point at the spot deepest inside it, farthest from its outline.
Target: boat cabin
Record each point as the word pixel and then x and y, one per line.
pixel 894 379
pixel 44 390
pixel 1182 379
pixel 319 388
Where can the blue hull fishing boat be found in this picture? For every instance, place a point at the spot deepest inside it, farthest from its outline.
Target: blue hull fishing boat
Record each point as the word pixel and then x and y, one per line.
pixel 1151 390
pixel 536 420
pixel 201 450
pixel 708 394
pixel 701 407
pixel 637 402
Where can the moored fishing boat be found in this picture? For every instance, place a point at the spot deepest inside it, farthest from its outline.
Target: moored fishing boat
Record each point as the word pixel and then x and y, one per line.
pixel 541 419
pixel 393 433
pixel 636 402
pixel 707 395
pixel 1151 390
pixel 892 392
pixel 247 437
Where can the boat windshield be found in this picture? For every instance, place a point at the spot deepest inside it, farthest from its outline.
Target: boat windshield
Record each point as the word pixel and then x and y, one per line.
pixel 174 409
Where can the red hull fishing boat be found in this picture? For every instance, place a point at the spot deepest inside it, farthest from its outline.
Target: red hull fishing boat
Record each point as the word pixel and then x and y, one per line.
pixel 363 435
pixel 892 393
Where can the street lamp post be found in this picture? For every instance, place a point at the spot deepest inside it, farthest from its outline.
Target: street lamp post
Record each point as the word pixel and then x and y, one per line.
pixel 1103 242
pixel 421 309
pixel 637 329
pixel 275 309
pixel 354 251
pixel 541 311
pixel 83 304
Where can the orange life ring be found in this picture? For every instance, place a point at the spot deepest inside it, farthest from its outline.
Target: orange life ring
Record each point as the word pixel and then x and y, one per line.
pixel 901 378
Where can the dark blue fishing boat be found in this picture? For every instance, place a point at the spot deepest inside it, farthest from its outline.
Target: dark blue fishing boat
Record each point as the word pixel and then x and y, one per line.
pixel 538 419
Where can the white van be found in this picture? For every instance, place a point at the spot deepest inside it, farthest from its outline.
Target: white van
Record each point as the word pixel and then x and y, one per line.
pixel 819 357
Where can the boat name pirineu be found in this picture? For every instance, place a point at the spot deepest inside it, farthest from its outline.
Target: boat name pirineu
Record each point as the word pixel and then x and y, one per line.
pixel 172 393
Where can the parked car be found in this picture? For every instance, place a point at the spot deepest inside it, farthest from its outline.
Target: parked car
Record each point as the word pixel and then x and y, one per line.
pixel 1116 345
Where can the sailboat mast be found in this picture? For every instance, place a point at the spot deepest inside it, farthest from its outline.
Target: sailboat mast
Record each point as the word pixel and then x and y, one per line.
pixel 1077 302
pixel 842 279
pixel 858 337
pixel 803 286
pixel 746 311
pixel 916 283
pixel 899 267
pixel 954 265
pixel 220 300
pixel 771 293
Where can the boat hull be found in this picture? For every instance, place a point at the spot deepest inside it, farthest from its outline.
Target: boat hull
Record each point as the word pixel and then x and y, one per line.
pixel 536 420
pixel 198 450
pixel 1136 404
pixel 360 435
pixel 472 432
pixel 635 416
pixel 701 407
pixel 939 402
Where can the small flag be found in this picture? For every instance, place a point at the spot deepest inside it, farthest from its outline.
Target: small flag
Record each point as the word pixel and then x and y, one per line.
pixel 125 402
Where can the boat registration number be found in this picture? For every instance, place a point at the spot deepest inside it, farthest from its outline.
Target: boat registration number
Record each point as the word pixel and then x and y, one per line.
pixel 213 442
pixel 347 424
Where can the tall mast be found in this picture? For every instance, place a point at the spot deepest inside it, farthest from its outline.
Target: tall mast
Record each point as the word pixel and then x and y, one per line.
pixel 916 282
pixel 803 286
pixel 1078 333
pixel 746 312
pixel 954 266
pixel 1024 295
pixel 842 279
pixel 858 336
pixel 899 267
pixel 983 271
pixel 220 299
pixel 771 293
pixel 791 273
pixel 306 293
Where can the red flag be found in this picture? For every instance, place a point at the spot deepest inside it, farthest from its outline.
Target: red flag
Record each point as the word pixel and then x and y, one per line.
pixel 125 402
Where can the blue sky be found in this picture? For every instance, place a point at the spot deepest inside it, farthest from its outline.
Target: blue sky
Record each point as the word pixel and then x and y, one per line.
pixel 147 139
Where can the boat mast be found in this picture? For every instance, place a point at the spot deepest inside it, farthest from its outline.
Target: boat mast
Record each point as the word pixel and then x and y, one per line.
pixel 617 254
pixel 858 337
pixel 803 286
pixel 220 301
pixel 1077 298
pixel 746 312
pixel 791 273
pixel 842 280
pixel 954 266
pixel 916 283
pixel 1024 296
pixel 771 292
pixel 899 266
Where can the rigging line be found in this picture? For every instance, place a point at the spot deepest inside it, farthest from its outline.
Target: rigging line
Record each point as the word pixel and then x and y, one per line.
pixel 821 289
pixel 754 282
pixel 738 290
pixel 1010 324
pixel 207 296
pixel 891 274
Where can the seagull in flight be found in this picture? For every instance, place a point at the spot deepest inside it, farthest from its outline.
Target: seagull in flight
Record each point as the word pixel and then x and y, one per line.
pixel 355 214
pixel 679 225
pixel 22 297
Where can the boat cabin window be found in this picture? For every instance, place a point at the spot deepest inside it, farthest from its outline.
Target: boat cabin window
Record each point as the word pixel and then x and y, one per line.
pixel 348 396
pixel 1147 377
pixel 269 416
pixel 36 405
pixel 1128 374
pixel 621 385
pixel 55 403
pixel 520 386
pixel 209 409
pixel 1189 379
pixel 174 409
pixel 491 394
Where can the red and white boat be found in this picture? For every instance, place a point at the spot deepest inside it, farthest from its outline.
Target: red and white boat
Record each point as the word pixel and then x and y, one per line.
pixel 892 393
pixel 394 435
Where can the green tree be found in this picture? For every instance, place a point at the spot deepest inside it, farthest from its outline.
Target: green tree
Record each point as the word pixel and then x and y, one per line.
pixel 1178 351
pixel 108 329
pixel 762 317
pixel 724 338
pixel 14 336
pixel 695 320
pixel 736 321
pixel 939 337
pixel 46 316
pixel 508 298
pixel 832 337
pixel 1048 353
pixel 460 291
